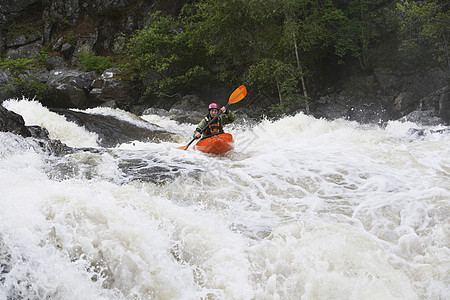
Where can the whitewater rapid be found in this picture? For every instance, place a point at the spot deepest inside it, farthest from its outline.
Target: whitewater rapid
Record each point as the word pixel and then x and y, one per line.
pixel 303 208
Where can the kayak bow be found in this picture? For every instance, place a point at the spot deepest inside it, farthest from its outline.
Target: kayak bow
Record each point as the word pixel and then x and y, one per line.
pixel 216 144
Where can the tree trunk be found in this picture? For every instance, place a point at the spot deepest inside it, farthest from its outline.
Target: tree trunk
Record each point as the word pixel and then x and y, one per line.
pixel 279 92
pixel 302 76
pixel 364 58
pixel 447 55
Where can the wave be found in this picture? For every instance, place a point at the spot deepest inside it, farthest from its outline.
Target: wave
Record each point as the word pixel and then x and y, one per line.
pixel 302 207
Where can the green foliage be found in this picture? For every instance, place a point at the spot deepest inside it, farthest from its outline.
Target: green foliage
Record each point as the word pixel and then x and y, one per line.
pixel 24 75
pixel 91 62
pixel 255 40
pixel 71 38
pixel 268 72
pixel 16 66
pixel 165 57
pixel 14 30
pixel 27 87
pixel 424 29
pixel 277 47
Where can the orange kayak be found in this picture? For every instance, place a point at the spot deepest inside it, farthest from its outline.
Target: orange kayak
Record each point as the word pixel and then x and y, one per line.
pixel 216 144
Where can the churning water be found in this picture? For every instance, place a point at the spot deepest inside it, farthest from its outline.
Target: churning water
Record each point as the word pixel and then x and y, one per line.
pixel 301 209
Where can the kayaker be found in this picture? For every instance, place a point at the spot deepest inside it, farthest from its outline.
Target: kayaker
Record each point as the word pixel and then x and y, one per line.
pixel 216 127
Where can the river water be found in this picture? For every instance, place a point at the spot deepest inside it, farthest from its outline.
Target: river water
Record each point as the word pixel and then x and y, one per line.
pixel 302 209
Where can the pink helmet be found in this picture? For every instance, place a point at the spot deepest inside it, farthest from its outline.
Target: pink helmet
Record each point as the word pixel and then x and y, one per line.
pixel 213 106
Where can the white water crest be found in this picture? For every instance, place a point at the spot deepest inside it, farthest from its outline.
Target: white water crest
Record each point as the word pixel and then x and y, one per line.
pixel 69 133
pixel 302 209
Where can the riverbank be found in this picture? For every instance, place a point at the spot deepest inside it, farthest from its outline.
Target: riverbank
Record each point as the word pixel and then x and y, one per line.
pixel 43 43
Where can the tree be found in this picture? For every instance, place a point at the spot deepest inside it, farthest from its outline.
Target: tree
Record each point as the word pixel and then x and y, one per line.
pixel 167 60
pixel 362 27
pixel 274 44
pixel 425 28
pixel 227 31
pixel 281 48
pixel 311 28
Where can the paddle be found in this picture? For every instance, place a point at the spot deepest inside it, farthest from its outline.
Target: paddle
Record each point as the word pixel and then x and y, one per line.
pixel 235 97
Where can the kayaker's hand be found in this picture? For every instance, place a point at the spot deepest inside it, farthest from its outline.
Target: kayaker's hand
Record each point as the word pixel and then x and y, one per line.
pixel 198 135
pixel 223 109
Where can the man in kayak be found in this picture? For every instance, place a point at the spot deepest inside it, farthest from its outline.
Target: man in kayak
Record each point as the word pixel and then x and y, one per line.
pixel 216 127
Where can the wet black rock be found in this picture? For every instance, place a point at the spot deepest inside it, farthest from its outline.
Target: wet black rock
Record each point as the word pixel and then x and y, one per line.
pixel 12 122
pixel 387 94
pixel 111 90
pixel 39 132
pixel 422 133
pixel 112 131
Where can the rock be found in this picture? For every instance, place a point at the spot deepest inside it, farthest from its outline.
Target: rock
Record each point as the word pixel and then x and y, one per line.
pixel 110 87
pixel 384 95
pixel 404 100
pixel 70 95
pixel 113 131
pixel 68 88
pixel 58 45
pixel 190 103
pixel 38 132
pixel 10 7
pixel 418 134
pixel 110 104
pixel 55 62
pixel 190 109
pixel 424 118
pixel 85 43
pixel 12 122
pixel 17 41
pixel 23 39
pixel 433 109
pixel 2 42
pixel 25 51
pixel 4 78
pixel 54 11
pixel 67 50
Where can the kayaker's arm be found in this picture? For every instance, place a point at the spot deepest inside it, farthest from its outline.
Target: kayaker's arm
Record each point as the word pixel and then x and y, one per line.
pixel 199 128
pixel 228 117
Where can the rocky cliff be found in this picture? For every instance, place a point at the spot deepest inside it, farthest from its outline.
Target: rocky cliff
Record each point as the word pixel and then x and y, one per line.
pixel 66 28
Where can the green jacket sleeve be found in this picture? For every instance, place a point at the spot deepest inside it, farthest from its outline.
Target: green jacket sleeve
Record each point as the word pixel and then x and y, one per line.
pixel 201 125
pixel 227 118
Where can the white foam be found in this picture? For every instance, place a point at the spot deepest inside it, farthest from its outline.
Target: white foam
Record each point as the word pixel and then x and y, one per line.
pixel 301 209
pixel 58 127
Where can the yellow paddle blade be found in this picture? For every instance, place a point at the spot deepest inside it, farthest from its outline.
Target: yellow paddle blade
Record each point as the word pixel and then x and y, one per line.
pixel 238 95
pixel 183 147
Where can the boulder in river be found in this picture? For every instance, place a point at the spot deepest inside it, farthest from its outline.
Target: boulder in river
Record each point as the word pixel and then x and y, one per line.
pixel 12 122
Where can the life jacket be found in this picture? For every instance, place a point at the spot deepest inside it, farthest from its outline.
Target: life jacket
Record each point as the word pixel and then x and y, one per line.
pixel 213 128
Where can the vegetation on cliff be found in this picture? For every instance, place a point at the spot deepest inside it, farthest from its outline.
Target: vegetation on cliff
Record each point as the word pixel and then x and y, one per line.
pixel 24 76
pixel 286 50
